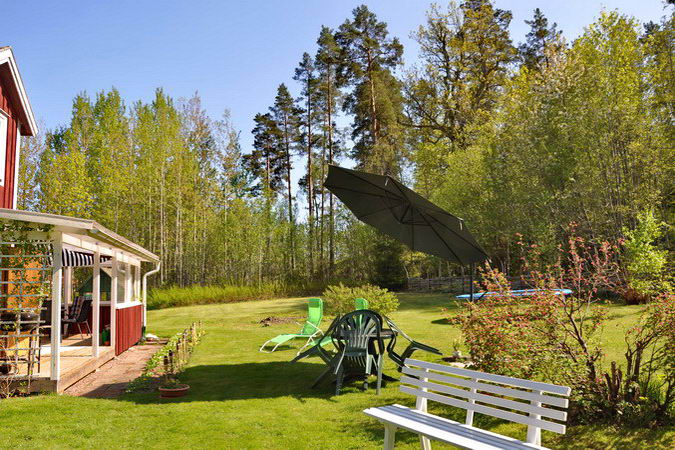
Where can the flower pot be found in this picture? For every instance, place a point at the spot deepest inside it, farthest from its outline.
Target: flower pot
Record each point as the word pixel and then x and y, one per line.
pixel 173 392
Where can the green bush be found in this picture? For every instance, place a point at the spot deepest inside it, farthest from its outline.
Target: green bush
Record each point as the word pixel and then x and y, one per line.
pixel 645 264
pixel 339 299
pixel 200 295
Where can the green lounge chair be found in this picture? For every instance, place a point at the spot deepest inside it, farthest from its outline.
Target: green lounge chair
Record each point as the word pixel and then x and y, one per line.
pixel 309 330
pixel 360 303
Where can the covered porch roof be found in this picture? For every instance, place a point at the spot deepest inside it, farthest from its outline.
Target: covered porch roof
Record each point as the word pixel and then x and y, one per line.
pixel 83 233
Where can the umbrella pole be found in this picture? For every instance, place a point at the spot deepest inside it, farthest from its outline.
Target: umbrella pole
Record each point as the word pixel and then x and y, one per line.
pixel 471 269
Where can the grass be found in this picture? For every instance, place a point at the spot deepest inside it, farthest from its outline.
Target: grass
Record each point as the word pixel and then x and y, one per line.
pixel 174 296
pixel 245 399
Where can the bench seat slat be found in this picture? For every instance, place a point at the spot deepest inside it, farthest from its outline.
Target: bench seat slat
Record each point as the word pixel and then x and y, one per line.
pixel 507 415
pixel 445 430
pixel 519 382
pixel 508 392
pixel 483 398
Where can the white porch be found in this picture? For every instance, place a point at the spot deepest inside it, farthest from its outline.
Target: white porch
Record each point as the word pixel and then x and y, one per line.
pixel 58 361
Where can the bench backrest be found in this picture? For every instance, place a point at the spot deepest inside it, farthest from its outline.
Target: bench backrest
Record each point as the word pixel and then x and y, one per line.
pixel 512 399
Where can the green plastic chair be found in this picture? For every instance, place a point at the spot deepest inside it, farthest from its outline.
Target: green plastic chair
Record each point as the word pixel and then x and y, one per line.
pixel 309 330
pixel 360 303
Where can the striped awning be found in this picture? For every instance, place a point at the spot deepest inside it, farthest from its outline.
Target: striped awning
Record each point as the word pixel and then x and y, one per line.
pixel 79 258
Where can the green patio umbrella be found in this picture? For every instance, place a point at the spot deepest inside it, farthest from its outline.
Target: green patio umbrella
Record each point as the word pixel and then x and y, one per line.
pixel 399 212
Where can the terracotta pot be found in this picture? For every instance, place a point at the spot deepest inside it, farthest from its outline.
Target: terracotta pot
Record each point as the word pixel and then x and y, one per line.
pixel 178 391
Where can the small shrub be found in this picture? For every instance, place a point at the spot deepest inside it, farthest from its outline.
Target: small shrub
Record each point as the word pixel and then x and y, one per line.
pixel 339 299
pixel 645 264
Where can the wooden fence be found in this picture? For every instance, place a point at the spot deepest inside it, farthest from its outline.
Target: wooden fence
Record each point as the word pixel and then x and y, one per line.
pixel 452 284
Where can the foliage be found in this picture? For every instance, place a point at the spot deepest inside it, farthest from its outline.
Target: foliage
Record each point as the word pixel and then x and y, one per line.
pixel 512 138
pixel 645 396
pixel 339 299
pixel 388 270
pixel 557 338
pixel 169 360
pixel 173 296
pixel 644 263
pixel 369 56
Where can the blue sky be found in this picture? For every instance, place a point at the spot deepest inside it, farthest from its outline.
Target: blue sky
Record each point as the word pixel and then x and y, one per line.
pixel 233 53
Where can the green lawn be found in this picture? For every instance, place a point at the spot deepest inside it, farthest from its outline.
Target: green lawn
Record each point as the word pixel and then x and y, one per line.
pixel 245 399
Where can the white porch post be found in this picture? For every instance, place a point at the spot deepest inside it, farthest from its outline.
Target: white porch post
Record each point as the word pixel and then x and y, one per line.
pixel 113 301
pixel 127 283
pixel 137 283
pixel 96 304
pixel 68 286
pixel 57 271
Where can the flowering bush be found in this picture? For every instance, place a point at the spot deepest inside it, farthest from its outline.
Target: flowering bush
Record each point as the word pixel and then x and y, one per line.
pixel 546 335
pixel 556 338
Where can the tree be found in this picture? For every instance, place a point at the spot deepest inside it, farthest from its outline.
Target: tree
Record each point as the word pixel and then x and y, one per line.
pixel 539 41
pixel 264 162
pixel 466 52
pixel 375 102
pixel 286 115
pixel 328 59
pixel 306 75
pixel 32 148
pixel 110 158
pixel 65 187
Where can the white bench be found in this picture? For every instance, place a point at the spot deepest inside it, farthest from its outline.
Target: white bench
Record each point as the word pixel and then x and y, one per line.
pixel 494 395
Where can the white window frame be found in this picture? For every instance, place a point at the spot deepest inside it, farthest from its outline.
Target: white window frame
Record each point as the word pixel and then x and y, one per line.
pixel 4 133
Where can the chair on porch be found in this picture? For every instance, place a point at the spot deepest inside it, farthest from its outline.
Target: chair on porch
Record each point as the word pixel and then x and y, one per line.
pixel 80 315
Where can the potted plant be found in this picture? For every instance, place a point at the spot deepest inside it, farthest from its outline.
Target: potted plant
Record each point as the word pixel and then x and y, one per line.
pixel 172 388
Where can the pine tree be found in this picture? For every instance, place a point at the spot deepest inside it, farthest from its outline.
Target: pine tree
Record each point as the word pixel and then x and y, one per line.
pixel 306 75
pixel 286 115
pixel 369 55
pixel 539 41
pixel 264 162
pixel 328 59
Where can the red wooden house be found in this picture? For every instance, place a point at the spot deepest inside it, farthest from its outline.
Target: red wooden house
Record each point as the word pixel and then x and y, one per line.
pixel 16 120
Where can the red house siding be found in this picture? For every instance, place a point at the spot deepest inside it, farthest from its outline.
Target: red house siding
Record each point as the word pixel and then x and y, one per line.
pixel 7 105
pixel 129 327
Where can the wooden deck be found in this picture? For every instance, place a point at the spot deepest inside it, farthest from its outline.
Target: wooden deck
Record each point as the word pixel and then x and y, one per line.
pixel 76 363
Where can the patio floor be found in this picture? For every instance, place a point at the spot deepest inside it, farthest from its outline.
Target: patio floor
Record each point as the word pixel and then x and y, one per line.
pixel 76 363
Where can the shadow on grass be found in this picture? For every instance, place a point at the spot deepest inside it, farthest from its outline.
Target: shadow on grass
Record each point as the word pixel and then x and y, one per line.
pixel 605 436
pixel 244 381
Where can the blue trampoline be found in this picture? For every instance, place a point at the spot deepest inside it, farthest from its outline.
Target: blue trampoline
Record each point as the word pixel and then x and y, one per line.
pixel 516 293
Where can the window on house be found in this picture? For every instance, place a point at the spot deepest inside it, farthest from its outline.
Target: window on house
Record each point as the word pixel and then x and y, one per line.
pixel 4 120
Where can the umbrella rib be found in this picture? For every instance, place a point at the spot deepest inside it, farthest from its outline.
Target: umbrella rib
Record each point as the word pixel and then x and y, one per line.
pixel 442 224
pixel 353 190
pixel 459 260
pixel 459 236
pixel 372 212
pixel 367 181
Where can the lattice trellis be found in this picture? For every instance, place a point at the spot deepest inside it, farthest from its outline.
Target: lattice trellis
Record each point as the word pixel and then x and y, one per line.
pixel 25 285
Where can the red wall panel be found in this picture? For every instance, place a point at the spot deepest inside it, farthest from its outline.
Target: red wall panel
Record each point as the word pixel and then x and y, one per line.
pixel 129 327
pixel 7 105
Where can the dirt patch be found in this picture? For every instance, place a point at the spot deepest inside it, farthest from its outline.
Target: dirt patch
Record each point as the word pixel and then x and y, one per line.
pixel 272 320
pixel 112 378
